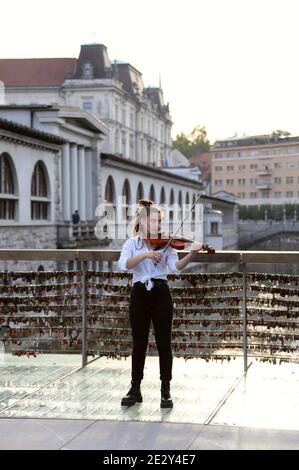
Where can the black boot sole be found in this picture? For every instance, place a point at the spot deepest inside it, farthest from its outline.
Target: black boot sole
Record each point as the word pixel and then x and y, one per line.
pixel 166 405
pixel 131 402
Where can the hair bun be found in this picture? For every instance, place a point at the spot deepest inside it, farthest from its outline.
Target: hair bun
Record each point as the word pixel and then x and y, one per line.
pixel 145 202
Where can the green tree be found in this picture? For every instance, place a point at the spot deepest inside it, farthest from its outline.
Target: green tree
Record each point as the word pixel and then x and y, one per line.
pixel 280 133
pixel 199 140
pixel 195 143
pixel 183 144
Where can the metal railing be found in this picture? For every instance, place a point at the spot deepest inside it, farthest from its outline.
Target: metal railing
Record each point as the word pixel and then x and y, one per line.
pixel 202 300
pixel 69 233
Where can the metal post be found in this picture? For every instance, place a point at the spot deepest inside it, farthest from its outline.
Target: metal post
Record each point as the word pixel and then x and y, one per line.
pixel 110 265
pixel 84 313
pixel 244 312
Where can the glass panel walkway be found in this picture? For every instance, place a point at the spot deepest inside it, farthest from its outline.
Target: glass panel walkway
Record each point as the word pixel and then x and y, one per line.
pixel 60 405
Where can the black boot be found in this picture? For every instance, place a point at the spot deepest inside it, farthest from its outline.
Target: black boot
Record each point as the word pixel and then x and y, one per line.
pixel 166 401
pixel 133 395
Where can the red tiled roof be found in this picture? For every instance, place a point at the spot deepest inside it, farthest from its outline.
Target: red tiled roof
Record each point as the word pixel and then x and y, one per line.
pixel 204 162
pixel 35 72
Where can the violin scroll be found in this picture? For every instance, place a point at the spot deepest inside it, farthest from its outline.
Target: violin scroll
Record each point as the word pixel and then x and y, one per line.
pixel 208 248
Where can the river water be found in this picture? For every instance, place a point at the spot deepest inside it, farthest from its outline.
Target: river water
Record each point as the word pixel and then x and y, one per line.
pixel 280 242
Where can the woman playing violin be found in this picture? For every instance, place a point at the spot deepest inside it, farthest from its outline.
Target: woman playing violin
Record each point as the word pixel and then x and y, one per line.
pixel 150 296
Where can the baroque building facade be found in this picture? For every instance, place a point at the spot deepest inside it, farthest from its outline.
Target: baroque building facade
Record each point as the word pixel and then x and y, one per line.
pixel 138 120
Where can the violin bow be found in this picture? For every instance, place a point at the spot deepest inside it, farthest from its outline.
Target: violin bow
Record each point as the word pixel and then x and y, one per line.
pixel 187 215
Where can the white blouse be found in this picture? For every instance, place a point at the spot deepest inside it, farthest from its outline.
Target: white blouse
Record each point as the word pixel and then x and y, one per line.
pixel 146 269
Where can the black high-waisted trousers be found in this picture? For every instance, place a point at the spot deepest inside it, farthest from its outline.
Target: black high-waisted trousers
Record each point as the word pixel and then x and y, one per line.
pixel 156 305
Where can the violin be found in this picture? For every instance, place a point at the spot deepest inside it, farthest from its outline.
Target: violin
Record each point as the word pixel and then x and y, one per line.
pixel 179 243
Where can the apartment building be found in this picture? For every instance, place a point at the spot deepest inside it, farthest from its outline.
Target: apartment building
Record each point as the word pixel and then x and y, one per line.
pixel 258 170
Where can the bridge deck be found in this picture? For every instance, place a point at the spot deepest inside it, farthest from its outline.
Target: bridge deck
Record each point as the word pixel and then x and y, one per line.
pixel 50 403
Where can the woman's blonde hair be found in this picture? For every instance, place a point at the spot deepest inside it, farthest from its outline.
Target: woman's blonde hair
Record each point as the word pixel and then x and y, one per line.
pixel 145 207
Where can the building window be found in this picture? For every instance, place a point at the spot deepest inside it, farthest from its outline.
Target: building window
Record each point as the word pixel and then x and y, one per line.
pixel 277 165
pixel 116 141
pixel 230 182
pixel 214 228
pixel 265 194
pixel 131 147
pixel 289 194
pixel 126 194
pixel 39 193
pixel 218 168
pixel 277 180
pixel 241 181
pixel 149 153
pixel 218 182
pixel 290 165
pixel 132 121
pixel 109 200
pixel 7 209
pixel 109 191
pixel 253 195
pixel 265 167
pixel 152 194
pixel 277 194
pixel 7 189
pixel 162 196
pixel 39 210
pixel 289 179
pixel 87 70
pixel 140 192
pixel 38 181
pixel 253 166
pixel 242 167
pixel 124 145
pixel 87 106
pixel 230 168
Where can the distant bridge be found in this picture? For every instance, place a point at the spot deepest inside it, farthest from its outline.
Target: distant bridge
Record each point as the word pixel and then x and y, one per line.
pixel 255 232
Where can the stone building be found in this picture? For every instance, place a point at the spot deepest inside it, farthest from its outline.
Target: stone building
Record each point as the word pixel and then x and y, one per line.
pixel 138 120
pixel 30 189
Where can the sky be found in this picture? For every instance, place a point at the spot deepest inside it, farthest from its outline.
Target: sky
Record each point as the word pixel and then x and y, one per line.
pixel 229 65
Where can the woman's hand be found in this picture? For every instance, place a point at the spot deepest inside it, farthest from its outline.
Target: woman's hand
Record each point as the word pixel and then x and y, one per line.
pixel 195 247
pixel 155 256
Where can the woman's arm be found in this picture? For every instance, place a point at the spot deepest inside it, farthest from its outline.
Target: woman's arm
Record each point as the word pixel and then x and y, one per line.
pixel 182 263
pixel 131 262
pixel 155 256
pixel 127 261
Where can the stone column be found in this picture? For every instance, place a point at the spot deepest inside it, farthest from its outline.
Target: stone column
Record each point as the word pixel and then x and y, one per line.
pixel 82 184
pixel 66 176
pixel 74 178
pixel 89 204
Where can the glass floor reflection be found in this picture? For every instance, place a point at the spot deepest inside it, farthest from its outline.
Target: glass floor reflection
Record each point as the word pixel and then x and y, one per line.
pixel 55 386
